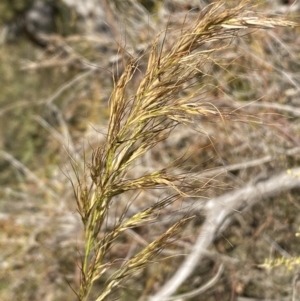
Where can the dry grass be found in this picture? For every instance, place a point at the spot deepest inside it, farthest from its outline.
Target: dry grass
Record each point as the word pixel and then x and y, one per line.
pixel 171 122
pixel 139 122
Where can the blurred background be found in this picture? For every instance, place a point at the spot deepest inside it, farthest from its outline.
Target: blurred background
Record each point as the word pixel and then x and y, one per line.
pixel 58 64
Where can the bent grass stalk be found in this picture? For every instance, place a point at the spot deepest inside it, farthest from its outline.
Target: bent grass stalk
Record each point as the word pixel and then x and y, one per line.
pixel 137 123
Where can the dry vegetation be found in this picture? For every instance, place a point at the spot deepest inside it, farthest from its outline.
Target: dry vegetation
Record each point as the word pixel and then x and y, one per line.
pixel 178 136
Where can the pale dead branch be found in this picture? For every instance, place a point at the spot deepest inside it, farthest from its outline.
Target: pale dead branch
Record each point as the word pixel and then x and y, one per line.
pixel 218 212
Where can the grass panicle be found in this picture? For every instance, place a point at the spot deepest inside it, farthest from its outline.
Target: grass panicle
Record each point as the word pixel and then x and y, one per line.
pixel 170 93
